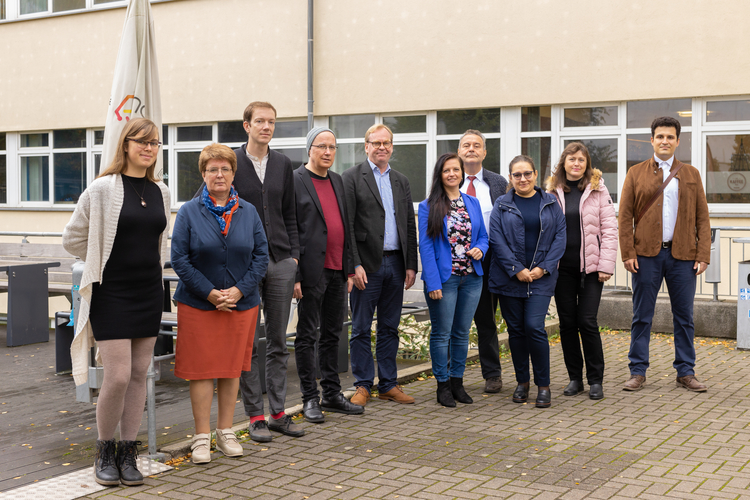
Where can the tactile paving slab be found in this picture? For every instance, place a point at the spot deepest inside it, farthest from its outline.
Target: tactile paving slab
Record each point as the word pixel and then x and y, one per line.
pixel 75 484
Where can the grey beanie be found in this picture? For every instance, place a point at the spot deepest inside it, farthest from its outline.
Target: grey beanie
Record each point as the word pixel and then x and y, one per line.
pixel 315 132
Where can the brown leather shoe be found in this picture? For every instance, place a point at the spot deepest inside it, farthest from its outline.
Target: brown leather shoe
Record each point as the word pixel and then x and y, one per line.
pixel 691 383
pixel 635 383
pixel 398 395
pixel 361 397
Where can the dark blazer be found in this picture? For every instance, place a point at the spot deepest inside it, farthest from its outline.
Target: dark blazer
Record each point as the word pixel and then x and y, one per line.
pixel 436 254
pixel 312 227
pixel 206 260
pixel 498 184
pixel 508 243
pixel 367 217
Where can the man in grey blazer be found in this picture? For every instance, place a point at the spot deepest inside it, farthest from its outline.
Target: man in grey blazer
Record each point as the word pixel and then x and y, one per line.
pixel 486 186
pixel 384 254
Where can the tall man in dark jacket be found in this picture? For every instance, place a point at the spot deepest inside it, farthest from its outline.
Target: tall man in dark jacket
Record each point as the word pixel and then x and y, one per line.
pixel 325 261
pixel 265 179
pixel 384 248
pixel 486 186
pixel 670 240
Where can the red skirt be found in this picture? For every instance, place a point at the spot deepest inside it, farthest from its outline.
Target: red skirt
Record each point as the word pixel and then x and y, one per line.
pixel 213 344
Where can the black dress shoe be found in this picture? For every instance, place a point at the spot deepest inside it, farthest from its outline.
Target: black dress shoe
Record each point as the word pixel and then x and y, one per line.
pixel 574 388
pixel 521 394
pixel 543 398
pixel 596 391
pixel 340 404
pixel 286 426
pixel 311 411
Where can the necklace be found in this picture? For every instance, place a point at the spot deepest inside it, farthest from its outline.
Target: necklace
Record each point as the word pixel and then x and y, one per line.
pixel 143 202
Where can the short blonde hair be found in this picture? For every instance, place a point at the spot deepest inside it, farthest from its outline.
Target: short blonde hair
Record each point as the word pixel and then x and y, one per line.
pixel 217 152
pixel 378 126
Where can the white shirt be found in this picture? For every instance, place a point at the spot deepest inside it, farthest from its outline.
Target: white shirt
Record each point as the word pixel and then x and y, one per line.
pixel 260 165
pixel 483 195
pixel 670 201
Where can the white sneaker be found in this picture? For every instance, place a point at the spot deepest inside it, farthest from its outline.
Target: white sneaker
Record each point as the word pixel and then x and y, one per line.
pixel 201 448
pixel 227 443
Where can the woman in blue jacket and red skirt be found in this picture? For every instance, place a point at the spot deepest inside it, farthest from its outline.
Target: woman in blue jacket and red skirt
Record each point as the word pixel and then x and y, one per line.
pixel 452 243
pixel 528 240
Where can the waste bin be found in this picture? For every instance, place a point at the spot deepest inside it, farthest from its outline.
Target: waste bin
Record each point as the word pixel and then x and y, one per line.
pixel 743 306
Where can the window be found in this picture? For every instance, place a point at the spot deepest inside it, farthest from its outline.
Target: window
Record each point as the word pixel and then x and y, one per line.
pixel 451 125
pixel 728 168
pixel 3 170
pixel 728 111
pixel 603 153
pixel 191 140
pixel 14 9
pixel 67 159
pixel 350 132
pixel 536 138
pixel 599 116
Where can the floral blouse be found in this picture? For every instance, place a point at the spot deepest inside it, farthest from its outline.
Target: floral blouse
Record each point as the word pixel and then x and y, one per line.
pixel 459 236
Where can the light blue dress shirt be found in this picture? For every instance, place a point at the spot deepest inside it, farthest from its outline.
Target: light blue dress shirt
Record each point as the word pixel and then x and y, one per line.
pixel 390 239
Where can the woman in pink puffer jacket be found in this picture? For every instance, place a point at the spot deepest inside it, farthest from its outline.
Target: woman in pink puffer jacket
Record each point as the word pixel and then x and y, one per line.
pixel 588 261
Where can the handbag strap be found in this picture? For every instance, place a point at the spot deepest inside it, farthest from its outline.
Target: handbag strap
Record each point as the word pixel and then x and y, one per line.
pixel 658 192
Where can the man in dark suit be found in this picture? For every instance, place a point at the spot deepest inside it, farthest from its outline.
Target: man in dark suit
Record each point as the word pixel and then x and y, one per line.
pixel 325 261
pixel 384 253
pixel 265 179
pixel 486 186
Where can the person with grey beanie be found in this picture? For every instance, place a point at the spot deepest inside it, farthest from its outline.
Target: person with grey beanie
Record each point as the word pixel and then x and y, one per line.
pixel 322 275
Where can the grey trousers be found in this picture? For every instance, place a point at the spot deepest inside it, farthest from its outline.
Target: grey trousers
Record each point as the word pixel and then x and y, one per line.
pixel 276 298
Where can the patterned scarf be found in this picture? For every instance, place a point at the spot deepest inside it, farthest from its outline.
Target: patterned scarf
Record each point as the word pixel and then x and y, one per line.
pixel 223 214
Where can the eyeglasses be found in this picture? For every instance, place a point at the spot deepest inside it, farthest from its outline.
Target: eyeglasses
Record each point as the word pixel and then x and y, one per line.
pixel 144 144
pixel 324 147
pixel 224 171
pixel 379 144
pixel 528 175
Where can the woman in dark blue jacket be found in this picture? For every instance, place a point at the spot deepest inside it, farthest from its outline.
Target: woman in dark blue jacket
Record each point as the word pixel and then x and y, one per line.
pixel 452 243
pixel 220 253
pixel 528 239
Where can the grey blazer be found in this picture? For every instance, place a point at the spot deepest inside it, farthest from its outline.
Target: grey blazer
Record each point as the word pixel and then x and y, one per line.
pixel 498 185
pixel 367 217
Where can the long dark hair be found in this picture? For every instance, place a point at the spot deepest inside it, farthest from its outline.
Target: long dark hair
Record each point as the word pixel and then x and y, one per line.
pixel 560 179
pixel 438 200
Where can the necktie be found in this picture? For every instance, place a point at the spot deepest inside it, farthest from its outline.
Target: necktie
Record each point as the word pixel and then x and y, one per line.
pixel 470 190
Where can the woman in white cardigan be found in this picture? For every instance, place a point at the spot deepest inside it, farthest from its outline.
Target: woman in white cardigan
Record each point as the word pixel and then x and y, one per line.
pixel 120 228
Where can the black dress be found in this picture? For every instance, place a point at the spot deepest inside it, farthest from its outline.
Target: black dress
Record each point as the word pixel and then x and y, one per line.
pixel 127 304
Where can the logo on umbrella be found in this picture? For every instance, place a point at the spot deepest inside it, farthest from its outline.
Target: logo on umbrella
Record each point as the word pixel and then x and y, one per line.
pixel 137 107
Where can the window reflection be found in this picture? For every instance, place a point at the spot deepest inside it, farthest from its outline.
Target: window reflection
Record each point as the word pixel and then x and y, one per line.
pixel 538 148
pixel 348 155
pixel 411 160
pixel 406 124
pixel 34 178
pixel 351 126
pixel 459 121
pixel 601 116
pixel 728 168
pixel 3 180
pixel 536 119
pixel 188 176
pixel 642 113
pixel 728 111
pixel 640 148
pixel 70 176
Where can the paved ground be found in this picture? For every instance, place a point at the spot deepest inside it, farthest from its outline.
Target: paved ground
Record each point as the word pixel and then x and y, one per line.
pixel 662 442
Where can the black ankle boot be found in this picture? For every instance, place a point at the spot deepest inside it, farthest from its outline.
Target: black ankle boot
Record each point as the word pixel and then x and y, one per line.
pixel 458 391
pixel 444 396
pixel 127 463
pixel 105 468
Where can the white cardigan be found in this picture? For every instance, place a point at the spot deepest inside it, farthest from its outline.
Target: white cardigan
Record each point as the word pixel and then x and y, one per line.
pixel 90 235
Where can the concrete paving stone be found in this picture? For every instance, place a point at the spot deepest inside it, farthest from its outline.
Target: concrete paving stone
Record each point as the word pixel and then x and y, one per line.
pixel 179 495
pixel 208 493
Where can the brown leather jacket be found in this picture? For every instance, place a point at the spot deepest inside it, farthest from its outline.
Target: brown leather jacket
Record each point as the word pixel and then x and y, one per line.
pixel 692 231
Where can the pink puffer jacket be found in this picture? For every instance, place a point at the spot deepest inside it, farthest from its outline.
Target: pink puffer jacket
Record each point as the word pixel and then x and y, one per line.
pixel 598 224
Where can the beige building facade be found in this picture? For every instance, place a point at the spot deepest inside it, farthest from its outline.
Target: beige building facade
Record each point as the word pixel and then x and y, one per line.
pixel 532 75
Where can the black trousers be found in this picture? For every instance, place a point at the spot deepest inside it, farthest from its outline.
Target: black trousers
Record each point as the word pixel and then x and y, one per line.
pixel 322 305
pixel 577 308
pixel 484 318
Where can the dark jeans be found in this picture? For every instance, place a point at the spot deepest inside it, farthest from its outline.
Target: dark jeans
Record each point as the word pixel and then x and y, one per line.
pixel 384 291
pixel 321 306
pixel 527 336
pixel 680 278
pixel 577 308
pixel 484 318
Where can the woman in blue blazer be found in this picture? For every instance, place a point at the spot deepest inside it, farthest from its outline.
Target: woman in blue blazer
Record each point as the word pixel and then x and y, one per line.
pixel 528 239
pixel 220 253
pixel 452 243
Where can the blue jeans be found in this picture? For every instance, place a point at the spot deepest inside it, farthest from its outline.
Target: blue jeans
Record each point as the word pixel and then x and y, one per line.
pixel 451 320
pixel 680 278
pixel 527 336
pixel 385 291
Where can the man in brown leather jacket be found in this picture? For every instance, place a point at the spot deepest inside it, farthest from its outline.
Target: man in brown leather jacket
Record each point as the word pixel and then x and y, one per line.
pixel 664 235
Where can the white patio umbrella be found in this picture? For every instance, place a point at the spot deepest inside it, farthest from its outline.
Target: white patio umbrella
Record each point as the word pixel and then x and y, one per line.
pixel 135 88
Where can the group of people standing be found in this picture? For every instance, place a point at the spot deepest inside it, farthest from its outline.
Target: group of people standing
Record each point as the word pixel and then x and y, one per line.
pixel 259 233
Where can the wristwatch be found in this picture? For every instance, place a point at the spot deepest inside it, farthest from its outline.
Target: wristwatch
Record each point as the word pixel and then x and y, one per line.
pixel 546 273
